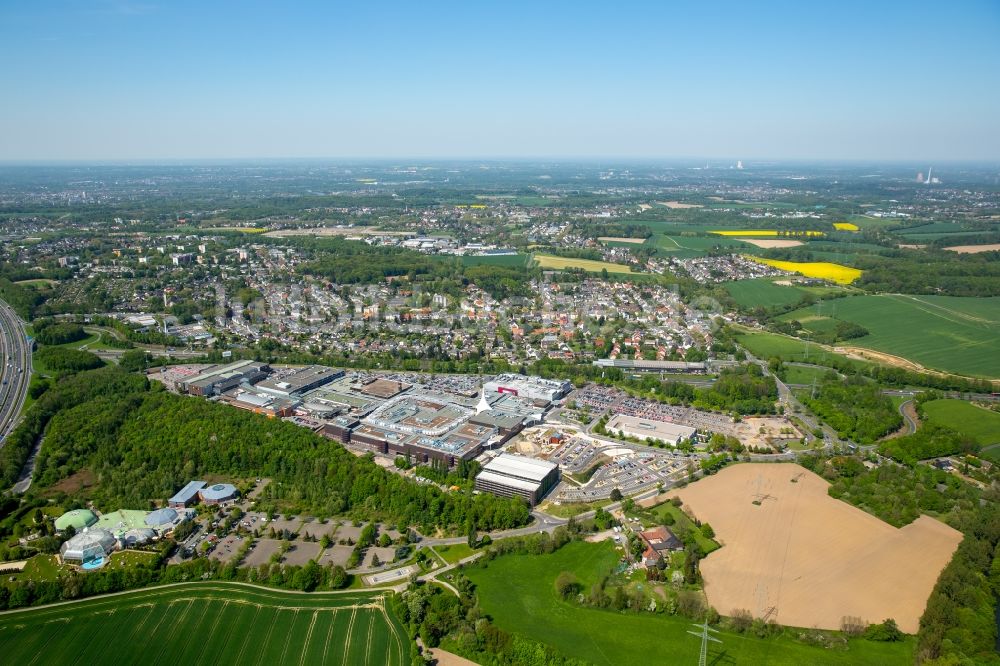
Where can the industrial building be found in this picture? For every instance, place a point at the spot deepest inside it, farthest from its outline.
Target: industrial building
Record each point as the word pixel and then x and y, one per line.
pixel 300 380
pixel 260 402
pixel 518 476
pixel 340 428
pixel 187 495
pixel 533 388
pixel 424 428
pixel 631 426
pixel 640 365
pixel 218 379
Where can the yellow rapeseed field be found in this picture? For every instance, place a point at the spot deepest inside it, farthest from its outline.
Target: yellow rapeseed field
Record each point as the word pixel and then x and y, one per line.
pixel 845 226
pixel 823 270
pixel 765 232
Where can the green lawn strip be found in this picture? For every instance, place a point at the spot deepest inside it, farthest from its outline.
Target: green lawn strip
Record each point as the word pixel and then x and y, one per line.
pixel 797 374
pixel 455 552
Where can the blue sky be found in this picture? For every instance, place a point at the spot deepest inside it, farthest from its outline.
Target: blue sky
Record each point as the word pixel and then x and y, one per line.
pixel 127 80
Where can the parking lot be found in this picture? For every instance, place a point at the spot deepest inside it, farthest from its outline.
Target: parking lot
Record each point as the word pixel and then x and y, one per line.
pixel 630 468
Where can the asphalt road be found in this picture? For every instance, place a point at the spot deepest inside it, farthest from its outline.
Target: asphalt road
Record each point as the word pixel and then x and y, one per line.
pixel 911 425
pixel 15 368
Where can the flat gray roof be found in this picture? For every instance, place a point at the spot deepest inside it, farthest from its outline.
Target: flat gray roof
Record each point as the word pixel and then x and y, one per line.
pixel 300 378
pixel 511 481
pixel 187 492
pixel 520 466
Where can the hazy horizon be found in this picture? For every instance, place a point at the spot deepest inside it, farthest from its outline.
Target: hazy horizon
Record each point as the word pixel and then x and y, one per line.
pixel 121 81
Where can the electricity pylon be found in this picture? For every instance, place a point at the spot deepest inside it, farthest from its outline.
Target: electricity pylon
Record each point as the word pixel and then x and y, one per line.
pixel 705 638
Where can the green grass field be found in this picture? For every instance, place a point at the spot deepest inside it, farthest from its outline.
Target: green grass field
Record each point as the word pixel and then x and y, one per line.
pixel 798 374
pixel 960 335
pixel 767 345
pixel 207 623
pixel 454 553
pixel 518 592
pixel 980 424
pixel 677 245
pixel 762 292
pixel 507 260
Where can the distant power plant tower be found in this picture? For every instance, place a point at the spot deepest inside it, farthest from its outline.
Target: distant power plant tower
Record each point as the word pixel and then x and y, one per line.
pixel 920 176
pixel 929 171
pixel 739 164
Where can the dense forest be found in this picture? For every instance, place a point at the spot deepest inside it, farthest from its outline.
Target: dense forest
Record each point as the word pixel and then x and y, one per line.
pixel 23 300
pixel 959 625
pixel 856 408
pixel 743 389
pixel 613 230
pixel 500 281
pixel 142 443
pixel 53 332
pixel 961 275
pixel 929 441
pixel 897 494
pixel 352 262
pixel 62 360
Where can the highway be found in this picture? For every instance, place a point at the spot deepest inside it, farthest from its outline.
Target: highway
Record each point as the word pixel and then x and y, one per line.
pixel 15 368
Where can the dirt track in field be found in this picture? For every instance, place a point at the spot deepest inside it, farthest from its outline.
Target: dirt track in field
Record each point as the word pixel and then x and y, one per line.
pixel 811 558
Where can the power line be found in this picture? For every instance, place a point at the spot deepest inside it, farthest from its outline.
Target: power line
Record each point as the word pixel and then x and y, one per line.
pixel 705 638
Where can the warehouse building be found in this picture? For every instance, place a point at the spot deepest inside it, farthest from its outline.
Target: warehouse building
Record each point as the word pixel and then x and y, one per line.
pixel 532 388
pixel 631 426
pixel 259 402
pixel 518 476
pixel 218 379
pixel 640 365
pixel 300 381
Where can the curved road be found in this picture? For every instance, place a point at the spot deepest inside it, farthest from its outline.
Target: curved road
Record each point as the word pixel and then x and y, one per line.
pixel 911 425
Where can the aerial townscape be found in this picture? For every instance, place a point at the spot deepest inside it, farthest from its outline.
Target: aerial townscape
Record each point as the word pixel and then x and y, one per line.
pixel 499 335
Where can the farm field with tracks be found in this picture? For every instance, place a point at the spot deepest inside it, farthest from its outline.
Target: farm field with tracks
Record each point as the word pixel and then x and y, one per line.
pixel 952 334
pixel 792 552
pixel 210 622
